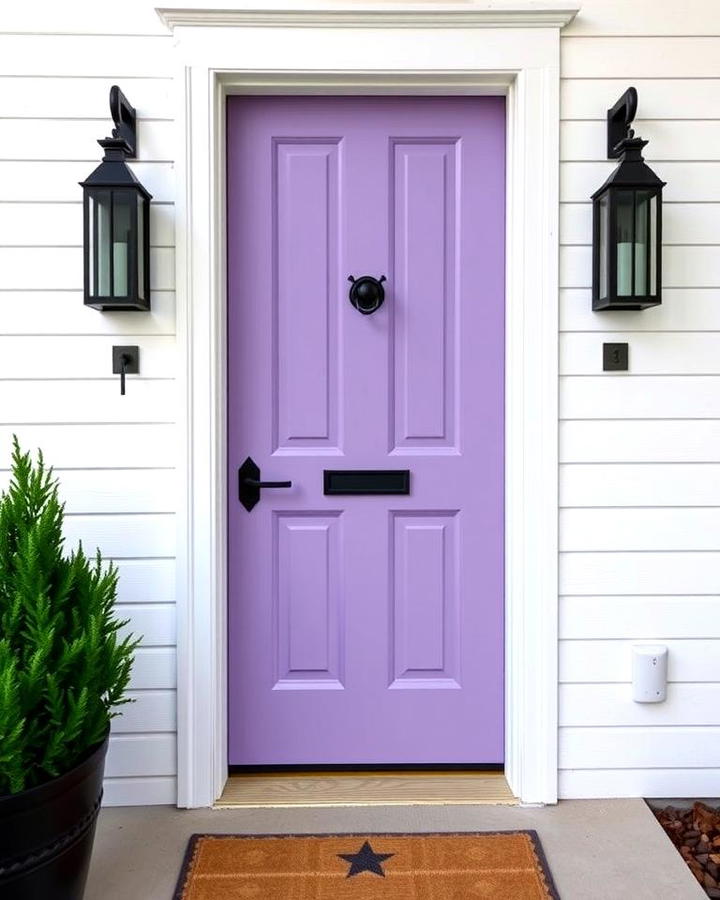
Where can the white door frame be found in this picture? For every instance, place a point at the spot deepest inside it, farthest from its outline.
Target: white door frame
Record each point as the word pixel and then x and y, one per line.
pixel 340 48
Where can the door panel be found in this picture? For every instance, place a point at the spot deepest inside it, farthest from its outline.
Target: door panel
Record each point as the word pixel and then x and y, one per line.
pixel 425 637
pixel 425 269
pixel 306 219
pixel 308 602
pixel 366 629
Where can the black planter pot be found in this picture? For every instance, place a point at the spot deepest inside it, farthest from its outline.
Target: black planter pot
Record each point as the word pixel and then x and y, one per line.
pixel 46 833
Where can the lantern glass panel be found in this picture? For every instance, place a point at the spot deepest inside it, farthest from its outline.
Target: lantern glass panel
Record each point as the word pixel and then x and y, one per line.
pixel 624 234
pixel 603 246
pixel 121 249
pixel 653 244
pixel 99 221
pixel 141 206
pixel 642 241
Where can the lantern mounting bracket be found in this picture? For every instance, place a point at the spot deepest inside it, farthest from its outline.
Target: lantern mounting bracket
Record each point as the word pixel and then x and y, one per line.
pixel 619 118
pixel 123 143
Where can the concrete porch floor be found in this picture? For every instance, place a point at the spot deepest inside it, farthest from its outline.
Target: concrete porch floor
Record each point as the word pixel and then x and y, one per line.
pixel 596 849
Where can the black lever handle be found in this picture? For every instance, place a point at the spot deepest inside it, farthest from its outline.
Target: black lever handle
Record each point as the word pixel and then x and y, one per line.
pixel 253 482
pixel 249 484
pixel 124 361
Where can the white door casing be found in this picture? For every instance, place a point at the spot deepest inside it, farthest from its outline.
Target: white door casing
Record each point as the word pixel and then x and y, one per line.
pixel 471 48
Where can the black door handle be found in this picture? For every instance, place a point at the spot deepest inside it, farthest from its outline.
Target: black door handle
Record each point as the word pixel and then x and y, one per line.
pixel 249 484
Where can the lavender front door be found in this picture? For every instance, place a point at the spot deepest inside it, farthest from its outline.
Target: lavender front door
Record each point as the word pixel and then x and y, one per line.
pixel 366 629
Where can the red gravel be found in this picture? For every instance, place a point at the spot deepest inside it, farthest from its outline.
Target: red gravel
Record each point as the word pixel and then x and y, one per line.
pixel 696 834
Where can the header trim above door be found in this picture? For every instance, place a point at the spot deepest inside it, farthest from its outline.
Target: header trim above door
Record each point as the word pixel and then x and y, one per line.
pixel 522 63
pixel 333 15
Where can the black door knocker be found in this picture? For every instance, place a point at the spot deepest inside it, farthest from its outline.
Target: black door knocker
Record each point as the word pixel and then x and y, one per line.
pixel 367 293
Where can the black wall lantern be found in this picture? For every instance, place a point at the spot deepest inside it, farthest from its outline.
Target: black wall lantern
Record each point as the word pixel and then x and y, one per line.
pixel 116 215
pixel 627 220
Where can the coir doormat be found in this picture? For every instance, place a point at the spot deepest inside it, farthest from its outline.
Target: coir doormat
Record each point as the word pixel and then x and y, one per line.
pixel 504 865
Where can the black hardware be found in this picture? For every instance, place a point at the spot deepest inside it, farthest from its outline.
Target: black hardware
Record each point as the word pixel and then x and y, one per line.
pixel 116 220
pixel 366 481
pixel 615 358
pixel 125 361
pixel 367 293
pixel 627 220
pixel 249 484
pixel 619 118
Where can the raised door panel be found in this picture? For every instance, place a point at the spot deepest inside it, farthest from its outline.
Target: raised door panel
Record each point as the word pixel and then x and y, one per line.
pixel 425 603
pixel 308 613
pixel 305 250
pixel 424 208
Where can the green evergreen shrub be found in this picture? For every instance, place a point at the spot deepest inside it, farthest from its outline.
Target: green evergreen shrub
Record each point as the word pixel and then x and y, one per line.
pixel 63 666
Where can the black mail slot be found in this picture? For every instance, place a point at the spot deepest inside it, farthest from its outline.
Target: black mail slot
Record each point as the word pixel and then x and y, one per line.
pixel 367 481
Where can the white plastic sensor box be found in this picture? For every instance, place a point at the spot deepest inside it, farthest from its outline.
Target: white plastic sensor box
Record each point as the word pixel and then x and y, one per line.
pixel 649 673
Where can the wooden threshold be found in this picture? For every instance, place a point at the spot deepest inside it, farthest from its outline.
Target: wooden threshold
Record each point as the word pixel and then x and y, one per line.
pixel 366 789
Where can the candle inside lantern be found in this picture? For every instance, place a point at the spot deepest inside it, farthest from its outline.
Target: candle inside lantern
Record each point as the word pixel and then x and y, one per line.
pixel 624 268
pixel 120 268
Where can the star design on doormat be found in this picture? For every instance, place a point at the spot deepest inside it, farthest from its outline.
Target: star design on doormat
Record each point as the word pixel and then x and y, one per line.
pixel 365 860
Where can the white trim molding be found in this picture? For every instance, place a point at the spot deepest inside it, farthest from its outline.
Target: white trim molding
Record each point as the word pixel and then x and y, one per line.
pixel 223 52
pixel 391 15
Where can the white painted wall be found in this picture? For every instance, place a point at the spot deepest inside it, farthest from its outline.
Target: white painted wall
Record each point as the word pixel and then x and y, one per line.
pixel 114 455
pixel 639 475
pixel 640 453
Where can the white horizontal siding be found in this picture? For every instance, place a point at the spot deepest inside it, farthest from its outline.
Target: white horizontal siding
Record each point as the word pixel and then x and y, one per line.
pixel 646 746
pixel 154 669
pixel 625 573
pixel 670 529
pixel 627 616
pixel 131 755
pixel 640 441
pixel 160 791
pixel 62 313
pixel 640 451
pixel 107 55
pixel 148 712
pixel 600 705
pixel 114 456
pixel 621 396
pixel 154 622
pixel 685 56
pixel 651 484
pixel 641 782
pixel 146 580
